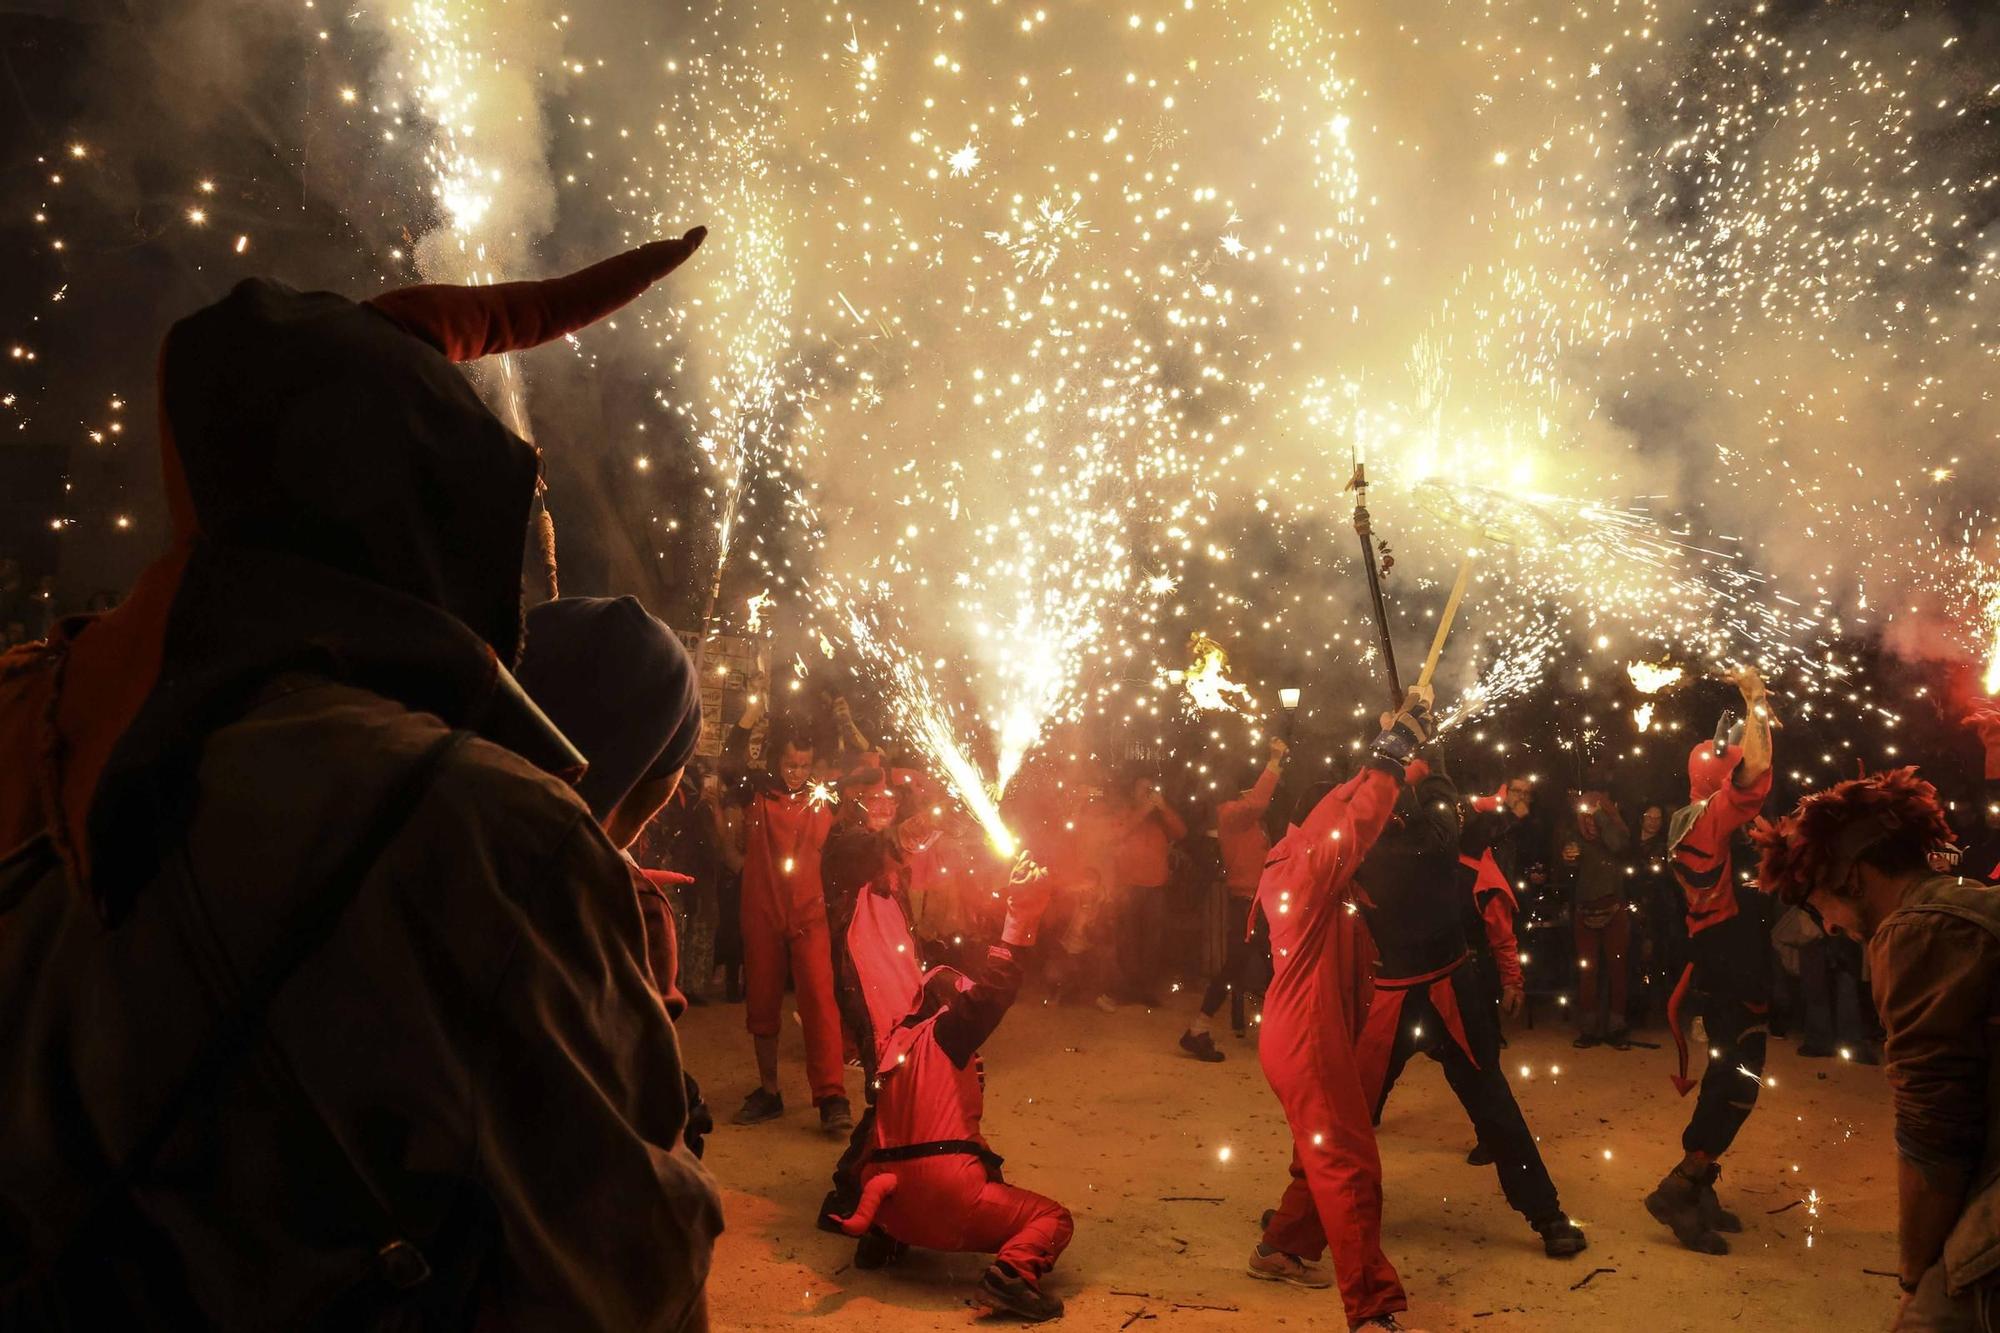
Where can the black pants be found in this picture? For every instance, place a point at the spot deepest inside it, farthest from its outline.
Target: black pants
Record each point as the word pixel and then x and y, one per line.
pixel 1483 1091
pixel 1238 975
pixel 1141 934
pixel 1732 985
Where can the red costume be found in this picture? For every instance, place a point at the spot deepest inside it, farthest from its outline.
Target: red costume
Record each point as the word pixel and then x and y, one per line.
pixel 1493 898
pixel 1240 836
pixel 784 925
pixel 1311 1012
pixel 928 1176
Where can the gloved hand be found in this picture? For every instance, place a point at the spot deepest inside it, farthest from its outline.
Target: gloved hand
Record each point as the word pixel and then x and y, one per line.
pixel 1028 893
pixel 1405 733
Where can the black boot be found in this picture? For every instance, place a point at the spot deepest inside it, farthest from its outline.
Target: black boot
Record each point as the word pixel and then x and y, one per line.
pixel 1561 1237
pixel 1005 1291
pixel 1479 1156
pixel 1677 1204
pixel 1713 1215
pixel 877 1248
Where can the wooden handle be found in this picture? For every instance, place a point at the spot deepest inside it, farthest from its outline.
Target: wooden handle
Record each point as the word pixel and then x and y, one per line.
pixel 1444 621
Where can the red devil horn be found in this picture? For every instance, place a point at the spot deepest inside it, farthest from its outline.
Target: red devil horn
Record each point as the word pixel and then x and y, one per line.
pixel 466 323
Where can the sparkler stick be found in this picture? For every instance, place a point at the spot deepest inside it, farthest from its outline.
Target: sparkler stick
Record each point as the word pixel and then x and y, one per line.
pixel 1444 621
pixel 1362 529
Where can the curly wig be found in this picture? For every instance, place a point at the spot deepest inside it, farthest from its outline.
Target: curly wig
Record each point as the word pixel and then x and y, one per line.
pixel 1891 819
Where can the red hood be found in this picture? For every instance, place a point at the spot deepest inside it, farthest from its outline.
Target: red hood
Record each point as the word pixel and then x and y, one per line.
pixel 1707 770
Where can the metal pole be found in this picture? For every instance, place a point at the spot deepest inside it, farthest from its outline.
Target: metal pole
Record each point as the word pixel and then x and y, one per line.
pixel 1359 485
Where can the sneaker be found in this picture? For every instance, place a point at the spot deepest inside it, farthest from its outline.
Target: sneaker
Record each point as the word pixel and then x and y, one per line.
pixel 836 1116
pixel 1004 1291
pixel 1107 1004
pixel 877 1248
pixel 1676 1203
pixel 1384 1323
pixel 1585 1040
pixel 1713 1214
pixel 1277 1266
pixel 760 1106
pixel 1202 1047
pixel 1561 1237
pixel 1479 1156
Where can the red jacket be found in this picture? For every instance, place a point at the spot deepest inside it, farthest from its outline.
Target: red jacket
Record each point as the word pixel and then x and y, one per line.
pixel 1239 832
pixel 1494 897
pixel 1142 850
pixel 1701 854
pixel 783 835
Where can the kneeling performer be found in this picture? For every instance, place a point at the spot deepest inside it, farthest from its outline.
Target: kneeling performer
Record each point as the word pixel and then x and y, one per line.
pixel 928 1177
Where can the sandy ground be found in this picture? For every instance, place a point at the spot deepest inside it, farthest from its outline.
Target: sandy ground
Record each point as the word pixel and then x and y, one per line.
pixel 1104 1112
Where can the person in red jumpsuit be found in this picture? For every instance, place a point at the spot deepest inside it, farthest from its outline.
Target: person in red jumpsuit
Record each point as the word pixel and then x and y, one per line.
pixel 786 820
pixel 928 1176
pixel 1311 1012
pixel 1729 969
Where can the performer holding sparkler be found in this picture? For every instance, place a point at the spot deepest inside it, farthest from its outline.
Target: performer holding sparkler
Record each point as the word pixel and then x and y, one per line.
pixel 1307 1044
pixel 928 1177
pixel 1428 997
pixel 785 826
pixel 1729 967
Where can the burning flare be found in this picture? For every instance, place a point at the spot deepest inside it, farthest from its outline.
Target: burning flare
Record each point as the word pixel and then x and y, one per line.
pixel 1207 679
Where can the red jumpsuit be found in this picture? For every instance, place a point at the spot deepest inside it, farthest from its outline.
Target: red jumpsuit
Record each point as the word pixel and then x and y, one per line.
pixel 1307 1044
pixel 928 1177
pixel 784 924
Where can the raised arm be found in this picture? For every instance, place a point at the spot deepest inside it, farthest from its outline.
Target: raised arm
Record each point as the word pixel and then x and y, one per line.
pixel 973 1014
pixel 1756 728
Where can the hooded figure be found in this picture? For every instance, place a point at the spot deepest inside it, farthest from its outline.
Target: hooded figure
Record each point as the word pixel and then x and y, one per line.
pixel 927 1174
pixel 1428 997
pixel 621 687
pixel 287 863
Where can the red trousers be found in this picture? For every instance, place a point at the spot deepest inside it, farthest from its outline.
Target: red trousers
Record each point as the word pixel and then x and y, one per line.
pixel 948 1203
pixel 1335 1194
pixel 1600 950
pixel 769 950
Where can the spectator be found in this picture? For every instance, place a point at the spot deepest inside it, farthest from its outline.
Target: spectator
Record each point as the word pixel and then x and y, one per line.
pixel 1147 830
pixel 1867 858
pixel 1603 925
pixel 249 1076
pixel 1241 837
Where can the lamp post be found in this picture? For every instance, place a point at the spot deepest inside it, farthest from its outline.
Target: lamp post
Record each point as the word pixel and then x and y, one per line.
pixel 1288 699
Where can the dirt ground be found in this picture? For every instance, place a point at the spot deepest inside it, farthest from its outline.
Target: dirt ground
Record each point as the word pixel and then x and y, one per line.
pixel 1104 1113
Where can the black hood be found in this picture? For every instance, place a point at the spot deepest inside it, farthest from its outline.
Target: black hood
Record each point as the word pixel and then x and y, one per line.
pixel 621 687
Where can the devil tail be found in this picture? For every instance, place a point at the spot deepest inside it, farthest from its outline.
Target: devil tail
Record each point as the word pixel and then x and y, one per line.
pixel 873 1195
pixel 1682 1083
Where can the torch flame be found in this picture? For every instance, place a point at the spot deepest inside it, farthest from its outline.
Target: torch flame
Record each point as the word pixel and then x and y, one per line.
pixel 1648 678
pixel 1207 679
